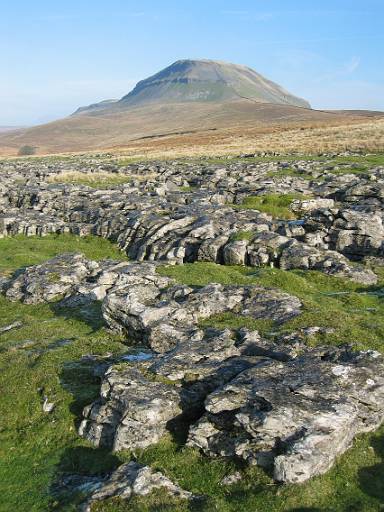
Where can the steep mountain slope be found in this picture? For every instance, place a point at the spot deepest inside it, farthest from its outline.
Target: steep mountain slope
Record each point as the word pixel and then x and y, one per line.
pixel 200 80
pixel 207 80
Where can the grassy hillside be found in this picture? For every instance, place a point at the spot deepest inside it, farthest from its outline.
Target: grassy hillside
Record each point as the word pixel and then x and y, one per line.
pixel 207 128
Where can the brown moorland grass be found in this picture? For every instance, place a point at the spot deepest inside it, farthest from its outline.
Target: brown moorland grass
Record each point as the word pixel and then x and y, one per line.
pixel 199 128
pixel 349 134
pixel 99 179
pixel 366 136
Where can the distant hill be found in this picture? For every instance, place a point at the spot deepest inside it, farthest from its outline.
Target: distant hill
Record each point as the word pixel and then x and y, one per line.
pixel 188 97
pixel 4 129
pixel 200 81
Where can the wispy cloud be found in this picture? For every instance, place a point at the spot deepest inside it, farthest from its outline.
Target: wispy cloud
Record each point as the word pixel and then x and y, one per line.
pixel 248 15
pixel 71 17
pixel 352 65
pixel 262 15
pixel 342 72
pixel 235 13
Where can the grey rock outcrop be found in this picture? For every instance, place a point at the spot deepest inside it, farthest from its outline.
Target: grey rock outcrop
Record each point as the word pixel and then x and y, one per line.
pixel 133 411
pixel 133 479
pixel 127 481
pixel 270 400
pixel 51 280
pixel 192 219
pixel 296 417
pixel 163 317
pixel 294 409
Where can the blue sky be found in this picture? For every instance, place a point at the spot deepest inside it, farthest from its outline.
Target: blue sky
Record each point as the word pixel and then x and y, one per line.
pixel 58 55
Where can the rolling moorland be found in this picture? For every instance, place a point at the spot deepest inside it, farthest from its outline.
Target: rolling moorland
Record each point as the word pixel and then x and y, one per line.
pixel 200 107
pixel 192 334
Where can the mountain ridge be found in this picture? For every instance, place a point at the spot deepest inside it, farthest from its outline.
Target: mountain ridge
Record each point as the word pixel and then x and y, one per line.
pixel 193 80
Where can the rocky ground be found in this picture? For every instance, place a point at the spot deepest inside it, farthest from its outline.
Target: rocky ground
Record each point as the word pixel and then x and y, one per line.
pixel 259 396
pixel 182 213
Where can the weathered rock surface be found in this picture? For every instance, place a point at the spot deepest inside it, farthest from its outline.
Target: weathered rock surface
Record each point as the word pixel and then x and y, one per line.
pixel 182 212
pixel 146 310
pixel 133 479
pixel 55 278
pixel 14 325
pixel 127 481
pixel 140 402
pixel 133 411
pixel 296 417
pixel 141 303
pixel 246 399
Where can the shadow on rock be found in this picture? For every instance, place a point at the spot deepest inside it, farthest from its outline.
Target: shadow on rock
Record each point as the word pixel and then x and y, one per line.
pixel 78 473
pixel 371 478
pixel 89 313
pixel 82 379
pixel 179 429
pixel 86 461
pixel 305 509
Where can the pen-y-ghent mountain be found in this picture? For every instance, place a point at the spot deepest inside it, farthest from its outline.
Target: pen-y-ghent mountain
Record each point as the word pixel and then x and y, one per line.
pixel 190 98
pixel 192 302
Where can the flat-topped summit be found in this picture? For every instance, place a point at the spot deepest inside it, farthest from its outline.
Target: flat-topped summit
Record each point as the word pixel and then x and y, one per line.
pixel 193 80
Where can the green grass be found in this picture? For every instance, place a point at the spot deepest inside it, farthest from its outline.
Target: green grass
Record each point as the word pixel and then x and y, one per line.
pixel 21 251
pixel 289 171
pixel 99 182
pixel 187 188
pixel 43 357
pixel 276 205
pixel 257 159
pixel 125 161
pixel 355 164
pixel 366 161
pixel 242 235
pixel 355 312
pixel 35 448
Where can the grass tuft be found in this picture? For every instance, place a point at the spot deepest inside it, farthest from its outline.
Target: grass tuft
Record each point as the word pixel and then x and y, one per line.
pixel 277 205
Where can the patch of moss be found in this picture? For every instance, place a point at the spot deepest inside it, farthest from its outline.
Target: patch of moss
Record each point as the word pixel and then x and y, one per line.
pixel 242 235
pixel 187 188
pixel 99 182
pixel 158 378
pixel 54 277
pixel 276 205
